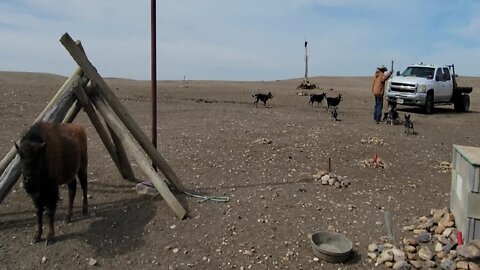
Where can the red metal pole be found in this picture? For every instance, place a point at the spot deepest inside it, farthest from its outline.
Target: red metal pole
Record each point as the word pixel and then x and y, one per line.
pixel 154 70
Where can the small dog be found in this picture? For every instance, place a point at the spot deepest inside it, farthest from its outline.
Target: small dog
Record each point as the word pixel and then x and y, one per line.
pixel 392 115
pixel 409 125
pixel 334 101
pixel 262 97
pixel 316 98
pixel 333 113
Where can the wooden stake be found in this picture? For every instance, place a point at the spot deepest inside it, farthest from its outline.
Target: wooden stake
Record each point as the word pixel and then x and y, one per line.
pixel 158 181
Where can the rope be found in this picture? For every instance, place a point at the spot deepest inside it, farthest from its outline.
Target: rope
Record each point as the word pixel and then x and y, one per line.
pixel 208 198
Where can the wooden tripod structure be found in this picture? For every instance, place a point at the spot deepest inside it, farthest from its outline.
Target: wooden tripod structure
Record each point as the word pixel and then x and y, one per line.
pixel 120 134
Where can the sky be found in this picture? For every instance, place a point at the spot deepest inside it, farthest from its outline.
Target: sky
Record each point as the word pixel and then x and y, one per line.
pixel 246 40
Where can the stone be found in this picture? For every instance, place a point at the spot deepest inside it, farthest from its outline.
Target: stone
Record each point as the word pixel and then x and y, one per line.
pixel 372 255
pixel 337 184
pixel 447 220
pixel 439 230
pixel 438 247
pixel 430 264
pixel 416 264
pixel 468 251
pixel 410 249
pixel 385 256
pixel 419 231
pixel 438 213
pixel 425 253
pixel 473 266
pixel 447 232
pixel 92 262
pixel 388 264
pixel 408 228
pixel 426 225
pixel 410 241
pixel 411 256
pixel 398 255
pixel 332 181
pixel 442 239
pixel 449 247
pixel 462 265
pixel 387 245
pixel 475 242
pixel 325 178
pixel 441 255
pixel 448 265
pixel 372 247
pixel 424 237
pixel 402 265
pixel 324 182
pixel 44 259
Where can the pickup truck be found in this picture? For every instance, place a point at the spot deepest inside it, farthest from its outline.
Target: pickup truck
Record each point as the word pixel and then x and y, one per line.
pixel 427 85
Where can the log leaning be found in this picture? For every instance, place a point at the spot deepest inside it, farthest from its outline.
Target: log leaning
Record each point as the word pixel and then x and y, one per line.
pixel 91 72
pixel 142 161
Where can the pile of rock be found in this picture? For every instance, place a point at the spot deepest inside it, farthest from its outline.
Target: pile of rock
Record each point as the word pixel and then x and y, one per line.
pixel 375 163
pixel 444 167
pixel 332 179
pixel 433 245
pixel 373 140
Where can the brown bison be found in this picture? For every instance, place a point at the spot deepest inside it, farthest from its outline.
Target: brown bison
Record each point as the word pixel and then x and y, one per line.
pixel 51 155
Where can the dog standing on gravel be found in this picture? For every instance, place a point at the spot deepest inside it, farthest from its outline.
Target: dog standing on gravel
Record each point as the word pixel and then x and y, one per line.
pixel 409 125
pixel 262 97
pixel 316 98
pixel 392 115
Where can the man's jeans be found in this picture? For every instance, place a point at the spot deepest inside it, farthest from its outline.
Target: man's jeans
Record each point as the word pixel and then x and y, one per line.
pixel 377 113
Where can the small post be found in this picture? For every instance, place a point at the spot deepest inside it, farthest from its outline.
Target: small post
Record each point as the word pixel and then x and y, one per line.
pixel 329 165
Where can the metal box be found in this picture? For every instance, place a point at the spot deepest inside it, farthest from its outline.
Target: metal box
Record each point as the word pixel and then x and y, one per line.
pixel 465 190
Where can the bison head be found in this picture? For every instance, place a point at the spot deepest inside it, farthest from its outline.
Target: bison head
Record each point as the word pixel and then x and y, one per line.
pixel 32 160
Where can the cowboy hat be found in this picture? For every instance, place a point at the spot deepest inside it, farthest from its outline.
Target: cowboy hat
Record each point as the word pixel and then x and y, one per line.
pixel 382 68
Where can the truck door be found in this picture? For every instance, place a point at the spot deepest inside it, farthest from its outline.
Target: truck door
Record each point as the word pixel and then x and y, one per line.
pixel 439 86
pixel 448 84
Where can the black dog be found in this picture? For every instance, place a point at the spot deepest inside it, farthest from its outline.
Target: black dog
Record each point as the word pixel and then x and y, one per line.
pixel 316 98
pixel 334 101
pixel 409 125
pixel 262 97
pixel 392 115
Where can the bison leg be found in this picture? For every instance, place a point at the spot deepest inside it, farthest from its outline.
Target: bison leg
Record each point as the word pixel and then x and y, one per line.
pixel 72 190
pixel 38 230
pixel 51 220
pixel 82 176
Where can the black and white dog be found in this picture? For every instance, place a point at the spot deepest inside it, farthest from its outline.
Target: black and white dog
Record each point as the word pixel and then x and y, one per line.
pixel 409 125
pixel 316 98
pixel 334 101
pixel 262 97
pixel 391 115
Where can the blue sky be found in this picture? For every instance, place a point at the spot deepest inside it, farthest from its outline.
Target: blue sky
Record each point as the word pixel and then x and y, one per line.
pixel 241 40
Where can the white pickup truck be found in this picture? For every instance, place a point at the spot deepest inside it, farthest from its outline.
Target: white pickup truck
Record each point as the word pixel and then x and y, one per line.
pixel 426 85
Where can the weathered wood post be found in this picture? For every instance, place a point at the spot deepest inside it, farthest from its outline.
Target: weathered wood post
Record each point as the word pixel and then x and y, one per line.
pixel 91 72
pixel 144 164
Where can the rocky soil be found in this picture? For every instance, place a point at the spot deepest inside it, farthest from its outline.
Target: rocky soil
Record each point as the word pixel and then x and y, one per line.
pixel 268 161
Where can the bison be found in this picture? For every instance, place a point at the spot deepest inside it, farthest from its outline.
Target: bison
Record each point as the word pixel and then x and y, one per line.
pixel 52 155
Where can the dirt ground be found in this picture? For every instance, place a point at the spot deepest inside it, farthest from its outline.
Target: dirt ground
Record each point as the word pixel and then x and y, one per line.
pixel 213 138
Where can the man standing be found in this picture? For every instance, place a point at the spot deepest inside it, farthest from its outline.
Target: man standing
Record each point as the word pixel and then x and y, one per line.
pixel 378 89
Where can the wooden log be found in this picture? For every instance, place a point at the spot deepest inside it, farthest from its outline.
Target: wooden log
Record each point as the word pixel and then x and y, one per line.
pixel 144 164
pixel 102 132
pixel 57 113
pixel 72 113
pixel 122 157
pixel 82 60
pixel 66 85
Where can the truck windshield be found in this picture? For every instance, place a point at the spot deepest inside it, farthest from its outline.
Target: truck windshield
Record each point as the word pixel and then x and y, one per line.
pixel 424 72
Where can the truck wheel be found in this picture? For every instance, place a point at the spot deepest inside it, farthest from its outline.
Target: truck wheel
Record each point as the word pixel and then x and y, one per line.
pixel 462 103
pixel 428 108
